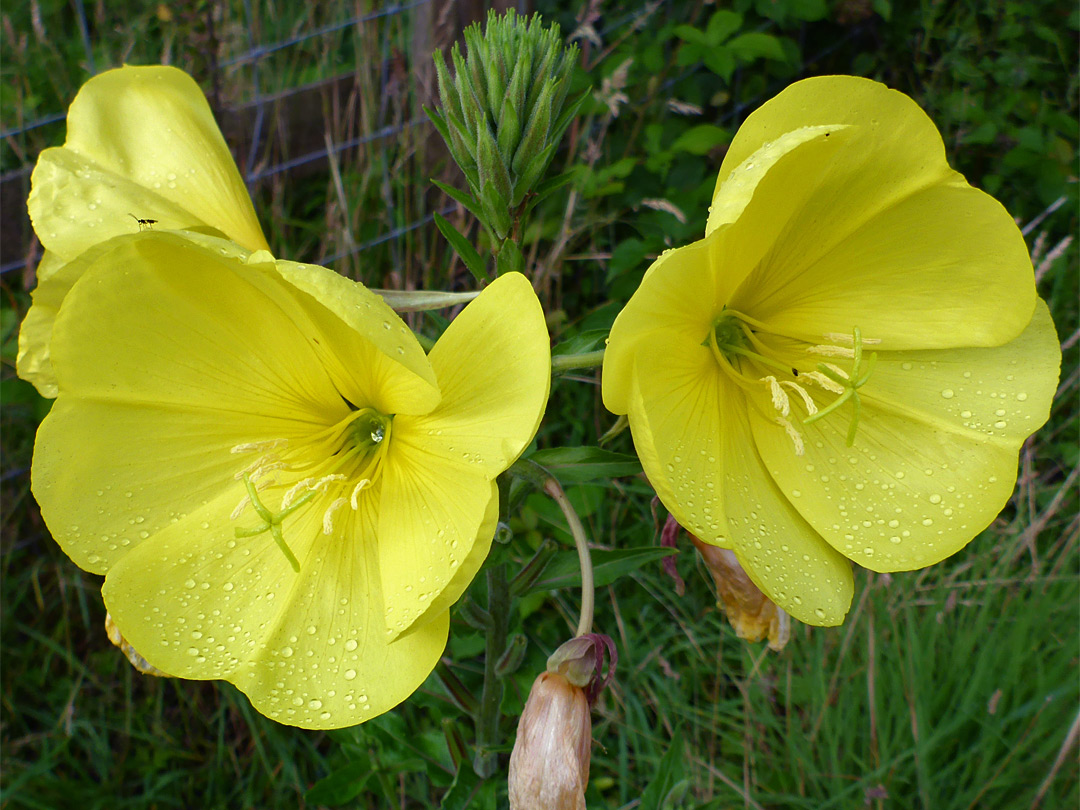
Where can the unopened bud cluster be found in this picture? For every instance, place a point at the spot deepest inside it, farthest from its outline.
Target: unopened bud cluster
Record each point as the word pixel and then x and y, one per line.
pixel 503 111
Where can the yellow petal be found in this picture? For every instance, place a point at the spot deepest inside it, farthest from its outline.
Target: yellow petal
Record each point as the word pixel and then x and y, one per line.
pixel 371 355
pixel 709 468
pixel 903 148
pixel 34 363
pixel 493 364
pixel 737 187
pixel 208 334
pixel 935 455
pixel 435 528
pixel 680 297
pixel 839 245
pixel 110 474
pixel 141 144
pixel 309 649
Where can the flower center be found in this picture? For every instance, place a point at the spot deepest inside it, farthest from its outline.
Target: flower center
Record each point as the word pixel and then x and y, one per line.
pixel 736 344
pixel 338 462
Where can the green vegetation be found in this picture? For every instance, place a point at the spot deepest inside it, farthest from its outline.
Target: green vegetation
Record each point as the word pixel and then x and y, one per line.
pixel 950 688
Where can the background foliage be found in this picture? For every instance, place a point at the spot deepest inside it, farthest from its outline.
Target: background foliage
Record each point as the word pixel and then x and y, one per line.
pixel 954 687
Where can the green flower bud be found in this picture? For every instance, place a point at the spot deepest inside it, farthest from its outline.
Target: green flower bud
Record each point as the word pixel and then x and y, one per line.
pixel 504 109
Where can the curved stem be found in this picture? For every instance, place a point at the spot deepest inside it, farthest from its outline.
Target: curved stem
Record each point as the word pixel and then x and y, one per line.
pixel 588 589
pixel 564 362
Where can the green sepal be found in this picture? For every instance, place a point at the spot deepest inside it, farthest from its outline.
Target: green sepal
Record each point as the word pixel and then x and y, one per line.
pixel 463 248
pixel 471 104
pixel 509 129
pixel 546 188
pixel 567 115
pixel 534 171
pixel 448 99
pixel 494 177
pixel 511 660
pixel 536 130
pixel 510 259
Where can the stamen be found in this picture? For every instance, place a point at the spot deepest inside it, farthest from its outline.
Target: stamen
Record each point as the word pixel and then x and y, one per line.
pixel 360 486
pixel 793 434
pixel 823 381
pixel 851 383
pixel 825 350
pixel 328 515
pixel 255 447
pixel 779 398
pixel 808 401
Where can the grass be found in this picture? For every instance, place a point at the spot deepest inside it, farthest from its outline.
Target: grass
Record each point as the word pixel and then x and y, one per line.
pixel 952 688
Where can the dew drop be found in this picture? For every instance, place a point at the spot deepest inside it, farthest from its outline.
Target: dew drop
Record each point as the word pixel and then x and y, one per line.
pixel 350 645
pixel 947 394
pixel 286 652
pixel 935 498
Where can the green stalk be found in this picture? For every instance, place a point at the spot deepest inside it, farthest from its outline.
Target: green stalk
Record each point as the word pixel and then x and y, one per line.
pixel 588 589
pixel 565 362
pixel 486 761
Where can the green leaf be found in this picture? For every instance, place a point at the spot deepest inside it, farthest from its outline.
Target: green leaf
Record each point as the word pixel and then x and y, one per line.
pixel 721 61
pixel 687 33
pixel 471 205
pixel 461 792
pixel 700 139
pixel 583 342
pixel 755 45
pixel 608 565
pixel 575 465
pixel 722 25
pixel 343 785
pixel 463 247
pixel 668 776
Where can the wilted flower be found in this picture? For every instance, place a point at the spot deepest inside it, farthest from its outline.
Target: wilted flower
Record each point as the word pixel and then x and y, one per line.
pixel 845 367
pixel 549 766
pixel 281 488
pixel 751 613
pixel 142 152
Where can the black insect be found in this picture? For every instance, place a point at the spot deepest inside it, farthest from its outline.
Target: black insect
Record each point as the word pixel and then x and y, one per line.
pixel 144 224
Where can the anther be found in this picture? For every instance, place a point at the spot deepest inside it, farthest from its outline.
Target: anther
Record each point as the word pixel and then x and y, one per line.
pixel 328 515
pixel 793 434
pixel 360 487
pixel 779 398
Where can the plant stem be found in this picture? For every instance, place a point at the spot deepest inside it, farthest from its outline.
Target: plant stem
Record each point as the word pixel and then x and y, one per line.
pixel 588 590
pixel 564 362
pixel 486 762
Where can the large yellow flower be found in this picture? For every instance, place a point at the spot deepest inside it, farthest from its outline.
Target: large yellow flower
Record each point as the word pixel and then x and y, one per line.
pixel 845 367
pixel 141 144
pixel 281 488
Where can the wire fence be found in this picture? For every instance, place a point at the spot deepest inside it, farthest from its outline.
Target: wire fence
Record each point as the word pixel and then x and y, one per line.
pixel 260 102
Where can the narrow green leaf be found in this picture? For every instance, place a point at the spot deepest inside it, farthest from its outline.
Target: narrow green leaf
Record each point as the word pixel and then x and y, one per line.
pixel 583 342
pixel 463 247
pixel 670 773
pixel 470 204
pixel 575 465
pixel 608 565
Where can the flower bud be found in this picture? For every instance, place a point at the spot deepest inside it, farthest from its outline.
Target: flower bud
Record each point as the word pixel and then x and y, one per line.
pixel 509 93
pixel 549 766
pixel 753 615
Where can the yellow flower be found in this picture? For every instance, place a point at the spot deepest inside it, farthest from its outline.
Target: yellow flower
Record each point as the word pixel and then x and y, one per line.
pixel 845 367
pixel 281 488
pixel 142 151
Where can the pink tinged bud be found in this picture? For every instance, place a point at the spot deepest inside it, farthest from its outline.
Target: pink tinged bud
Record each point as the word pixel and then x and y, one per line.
pixel 751 613
pixel 549 767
